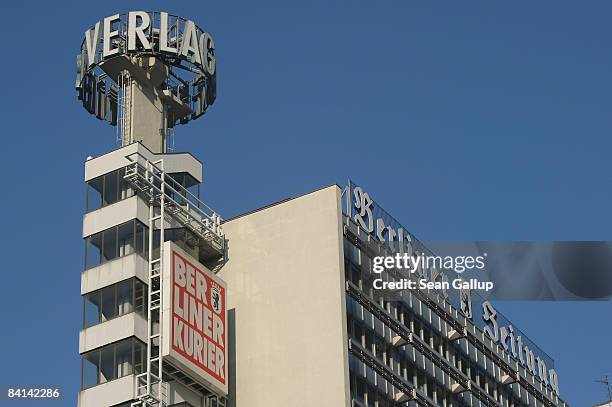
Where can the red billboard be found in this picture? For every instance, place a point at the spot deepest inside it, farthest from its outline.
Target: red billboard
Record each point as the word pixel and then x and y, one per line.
pixel 195 316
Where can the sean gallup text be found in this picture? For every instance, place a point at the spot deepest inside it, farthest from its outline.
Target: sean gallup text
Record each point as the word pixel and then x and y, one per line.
pixel 424 284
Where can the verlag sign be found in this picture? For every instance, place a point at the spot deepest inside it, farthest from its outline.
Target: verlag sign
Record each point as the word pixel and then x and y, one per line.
pixel 149 32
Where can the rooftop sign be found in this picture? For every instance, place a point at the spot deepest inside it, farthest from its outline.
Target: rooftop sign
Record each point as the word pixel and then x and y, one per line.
pixel 171 55
pixel 138 32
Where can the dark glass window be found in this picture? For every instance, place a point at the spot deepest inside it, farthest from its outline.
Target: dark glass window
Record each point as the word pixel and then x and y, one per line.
pixel 125 297
pixel 106 190
pixel 107 356
pixel 113 301
pixel 184 188
pixel 123 359
pixel 140 298
pixel 125 239
pixel 111 189
pixel 93 250
pixel 95 188
pixel 118 241
pixel 109 247
pixel 108 310
pixel 141 238
pixel 89 369
pixel 91 311
pixel 112 362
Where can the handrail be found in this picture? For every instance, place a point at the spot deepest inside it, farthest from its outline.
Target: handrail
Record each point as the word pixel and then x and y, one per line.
pixel 159 171
pixel 209 221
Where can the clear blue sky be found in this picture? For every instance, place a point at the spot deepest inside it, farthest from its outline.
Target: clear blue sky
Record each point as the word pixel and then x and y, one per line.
pixel 465 120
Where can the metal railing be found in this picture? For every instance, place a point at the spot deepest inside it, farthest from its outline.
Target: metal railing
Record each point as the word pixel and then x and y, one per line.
pixel 180 203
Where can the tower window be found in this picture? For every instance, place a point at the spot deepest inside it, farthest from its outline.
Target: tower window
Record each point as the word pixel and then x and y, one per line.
pixel 114 301
pixel 112 362
pixel 118 241
pixel 106 190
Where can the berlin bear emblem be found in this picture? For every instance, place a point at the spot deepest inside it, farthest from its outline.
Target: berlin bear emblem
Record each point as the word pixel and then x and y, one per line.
pixel 216 298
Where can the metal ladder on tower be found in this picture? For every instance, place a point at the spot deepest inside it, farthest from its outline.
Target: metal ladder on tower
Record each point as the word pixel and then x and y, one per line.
pixel 124 109
pixel 150 387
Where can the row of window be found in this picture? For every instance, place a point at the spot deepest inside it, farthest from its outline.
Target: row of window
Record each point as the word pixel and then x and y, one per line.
pixel 372 335
pixel 402 361
pixel 369 394
pixel 117 241
pixel 112 187
pixel 127 238
pixel 114 301
pixel 113 361
pixel 106 190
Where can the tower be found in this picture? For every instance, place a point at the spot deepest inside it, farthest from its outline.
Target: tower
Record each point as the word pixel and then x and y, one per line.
pixel 148 236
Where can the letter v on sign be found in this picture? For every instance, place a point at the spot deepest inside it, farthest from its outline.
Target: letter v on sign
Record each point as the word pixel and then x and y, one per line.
pixel 91 42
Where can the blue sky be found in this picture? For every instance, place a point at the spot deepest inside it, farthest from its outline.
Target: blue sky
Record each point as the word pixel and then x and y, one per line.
pixel 465 120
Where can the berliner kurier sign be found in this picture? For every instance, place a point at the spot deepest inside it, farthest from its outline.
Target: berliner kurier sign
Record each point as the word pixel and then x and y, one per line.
pixel 194 322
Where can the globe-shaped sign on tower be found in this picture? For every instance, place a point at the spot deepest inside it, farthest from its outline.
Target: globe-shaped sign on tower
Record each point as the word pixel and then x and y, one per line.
pixel 146 72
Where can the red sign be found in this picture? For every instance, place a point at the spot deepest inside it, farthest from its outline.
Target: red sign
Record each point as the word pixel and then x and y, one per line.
pixel 198 321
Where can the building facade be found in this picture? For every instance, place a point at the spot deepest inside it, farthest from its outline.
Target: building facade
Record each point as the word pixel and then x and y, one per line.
pixel 123 234
pixel 307 317
pixel 272 308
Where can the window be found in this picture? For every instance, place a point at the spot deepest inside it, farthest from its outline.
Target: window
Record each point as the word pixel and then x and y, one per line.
pixel 106 373
pixel 89 369
pixel 93 196
pixel 140 298
pixel 108 308
pixel 109 245
pixel 112 362
pixel 123 359
pixel 93 250
pixel 142 238
pixel 125 239
pixel 125 297
pixel 118 241
pixel 113 301
pixel 106 190
pixel 181 182
pixel 111 189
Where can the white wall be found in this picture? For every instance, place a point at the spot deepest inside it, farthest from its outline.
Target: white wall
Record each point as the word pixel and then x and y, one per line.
pixel 286 282
pixel 123 327
pixel 173 163
pixel 112 272
pixel 108 394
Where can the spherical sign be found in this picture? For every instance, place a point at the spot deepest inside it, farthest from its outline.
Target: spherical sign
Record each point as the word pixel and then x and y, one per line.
pixel 167 53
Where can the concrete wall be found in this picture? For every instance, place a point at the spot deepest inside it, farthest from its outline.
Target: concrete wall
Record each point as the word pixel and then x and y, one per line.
pixel 108 394
pixel 147 113
pixel 115 214
pixel 173 162
pixel 286 282
pixel 112 272
pixel 116 329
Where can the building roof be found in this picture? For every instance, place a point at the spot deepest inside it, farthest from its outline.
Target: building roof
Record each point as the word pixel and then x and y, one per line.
pixel 279 202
